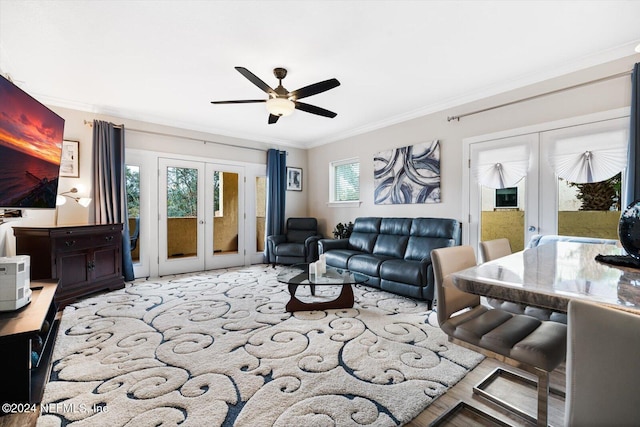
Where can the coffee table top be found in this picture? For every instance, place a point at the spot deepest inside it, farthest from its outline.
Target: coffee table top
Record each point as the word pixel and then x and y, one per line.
pixel 298 274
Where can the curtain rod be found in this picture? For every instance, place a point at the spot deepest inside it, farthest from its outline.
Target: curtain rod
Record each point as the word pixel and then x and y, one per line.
pixel 602 79
pixel 90 124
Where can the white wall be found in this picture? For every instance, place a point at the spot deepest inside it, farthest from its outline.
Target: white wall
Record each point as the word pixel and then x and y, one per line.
pixel 146 136
pixel 588 99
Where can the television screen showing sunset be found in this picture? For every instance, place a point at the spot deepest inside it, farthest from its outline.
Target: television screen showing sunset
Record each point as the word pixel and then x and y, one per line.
pixel 30 149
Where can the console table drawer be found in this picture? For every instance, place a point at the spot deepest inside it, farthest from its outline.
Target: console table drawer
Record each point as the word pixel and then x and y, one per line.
pixel 72 243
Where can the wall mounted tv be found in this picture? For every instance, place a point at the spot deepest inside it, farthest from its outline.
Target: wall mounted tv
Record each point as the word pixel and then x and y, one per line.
pixel 30 150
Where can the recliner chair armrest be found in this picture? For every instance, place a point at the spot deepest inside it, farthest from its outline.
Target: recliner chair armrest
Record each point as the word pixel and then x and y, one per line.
pixel 273 241
pixel 325 245
pixel 276 239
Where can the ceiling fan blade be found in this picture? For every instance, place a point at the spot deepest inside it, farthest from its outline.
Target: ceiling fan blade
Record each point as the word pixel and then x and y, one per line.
pixel 314 89
pixel 273 118
pixel 246 101
pixel 256 80
pixel 315 110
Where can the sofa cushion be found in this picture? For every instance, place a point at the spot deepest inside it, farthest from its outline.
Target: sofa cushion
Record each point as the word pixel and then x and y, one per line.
pixel 364 235
pixel 419 248
pixel 436 227
pixel 404 271
pixel 339 257
pixel 390 245
pixel 367 263
pixel 398 226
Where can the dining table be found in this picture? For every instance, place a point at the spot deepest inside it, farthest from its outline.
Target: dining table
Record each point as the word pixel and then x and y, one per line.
pixel 550 275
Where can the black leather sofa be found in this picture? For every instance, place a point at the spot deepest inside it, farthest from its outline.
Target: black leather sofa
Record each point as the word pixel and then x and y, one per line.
pixel 395 253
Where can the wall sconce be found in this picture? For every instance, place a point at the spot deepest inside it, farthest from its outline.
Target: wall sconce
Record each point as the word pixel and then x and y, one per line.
pixel 61 199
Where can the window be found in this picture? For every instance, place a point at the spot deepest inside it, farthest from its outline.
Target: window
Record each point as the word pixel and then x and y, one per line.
pixel 344 177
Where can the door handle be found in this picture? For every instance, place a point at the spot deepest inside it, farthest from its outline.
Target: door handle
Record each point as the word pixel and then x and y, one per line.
pixel 532 228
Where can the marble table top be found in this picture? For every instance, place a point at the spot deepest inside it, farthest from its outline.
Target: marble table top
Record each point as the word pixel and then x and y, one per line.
pixel 550 275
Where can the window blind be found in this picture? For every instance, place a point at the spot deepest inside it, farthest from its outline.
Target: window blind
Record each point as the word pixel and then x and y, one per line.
pixel 347 182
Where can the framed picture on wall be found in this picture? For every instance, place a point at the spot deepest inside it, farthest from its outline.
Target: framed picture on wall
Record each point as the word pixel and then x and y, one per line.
pixel 70 161
pixel 294 179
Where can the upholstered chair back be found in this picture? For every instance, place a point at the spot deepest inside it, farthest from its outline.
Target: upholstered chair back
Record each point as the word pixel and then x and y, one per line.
pixel 300 229
pixel 494 249
pixel 602 369
pixel 449 298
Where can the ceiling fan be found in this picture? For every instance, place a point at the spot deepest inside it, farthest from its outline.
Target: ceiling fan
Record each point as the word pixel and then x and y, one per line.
pixel 281 102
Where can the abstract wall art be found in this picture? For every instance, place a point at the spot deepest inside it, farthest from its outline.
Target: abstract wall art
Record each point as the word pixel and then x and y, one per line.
pixel 408 175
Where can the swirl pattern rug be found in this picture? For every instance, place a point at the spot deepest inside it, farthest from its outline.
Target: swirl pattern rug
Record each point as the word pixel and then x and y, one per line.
pixel 217 348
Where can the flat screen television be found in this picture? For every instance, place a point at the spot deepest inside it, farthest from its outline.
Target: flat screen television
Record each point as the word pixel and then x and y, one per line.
pixel 30 150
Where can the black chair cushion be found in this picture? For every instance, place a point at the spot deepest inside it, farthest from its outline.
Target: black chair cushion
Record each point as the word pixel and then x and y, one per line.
pixel 299 229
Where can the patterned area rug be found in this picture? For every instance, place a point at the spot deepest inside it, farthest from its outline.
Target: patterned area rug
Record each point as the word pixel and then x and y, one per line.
pixel 218 349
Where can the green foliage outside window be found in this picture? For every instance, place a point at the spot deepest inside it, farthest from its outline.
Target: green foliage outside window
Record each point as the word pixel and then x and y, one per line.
pixel 132 186
pixel 182 192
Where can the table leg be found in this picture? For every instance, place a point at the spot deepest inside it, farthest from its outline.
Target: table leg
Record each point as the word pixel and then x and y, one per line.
pixel 344 300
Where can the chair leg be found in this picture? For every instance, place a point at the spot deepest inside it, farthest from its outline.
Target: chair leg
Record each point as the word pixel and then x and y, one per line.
pixel 543 398
pixel 461 406
pixel 543 390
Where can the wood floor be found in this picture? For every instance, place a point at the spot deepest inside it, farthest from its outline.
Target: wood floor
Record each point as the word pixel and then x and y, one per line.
pixel 519 394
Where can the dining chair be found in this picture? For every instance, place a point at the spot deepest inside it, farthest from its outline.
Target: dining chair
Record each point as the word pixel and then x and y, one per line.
pixel 528 343
pixel 498 248
pixel 493 249
pixel 602 366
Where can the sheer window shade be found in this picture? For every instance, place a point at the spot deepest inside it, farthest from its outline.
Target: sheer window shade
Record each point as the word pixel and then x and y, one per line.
pixel 346 179
pixel 590 158
pixel 502 167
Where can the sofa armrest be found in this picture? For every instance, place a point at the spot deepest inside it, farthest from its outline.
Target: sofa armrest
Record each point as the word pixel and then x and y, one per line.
pixel 325 245
pixel 311 245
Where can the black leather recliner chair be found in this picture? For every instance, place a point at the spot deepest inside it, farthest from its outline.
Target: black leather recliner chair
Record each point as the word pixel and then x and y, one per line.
pixel 298 245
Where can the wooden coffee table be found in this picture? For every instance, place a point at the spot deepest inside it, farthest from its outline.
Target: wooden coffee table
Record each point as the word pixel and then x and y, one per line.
pixel 298 274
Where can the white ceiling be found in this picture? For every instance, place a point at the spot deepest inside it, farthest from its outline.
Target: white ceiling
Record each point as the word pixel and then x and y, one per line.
pixel 164 61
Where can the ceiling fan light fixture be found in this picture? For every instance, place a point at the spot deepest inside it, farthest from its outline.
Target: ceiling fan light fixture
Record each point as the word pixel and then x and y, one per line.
pixel 280 106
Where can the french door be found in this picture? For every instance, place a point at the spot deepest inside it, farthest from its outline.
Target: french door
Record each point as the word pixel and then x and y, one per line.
pixel 201 216
pixel 181 216
pixel 548 194
pixel 503 190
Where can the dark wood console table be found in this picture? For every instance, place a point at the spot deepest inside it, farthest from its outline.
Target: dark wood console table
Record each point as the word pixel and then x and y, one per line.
pixel 84 258
pixel 31 328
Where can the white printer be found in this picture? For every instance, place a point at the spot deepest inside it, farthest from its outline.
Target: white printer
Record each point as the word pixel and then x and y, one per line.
pixel 15 291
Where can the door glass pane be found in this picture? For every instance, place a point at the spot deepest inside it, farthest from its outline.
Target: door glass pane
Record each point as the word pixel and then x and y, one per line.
pixel 589 210
pixel 503 214
pixel 132 184
pixel 225 217
pixel 261 212
pixel 182 212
